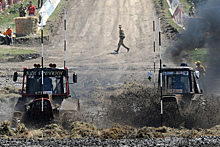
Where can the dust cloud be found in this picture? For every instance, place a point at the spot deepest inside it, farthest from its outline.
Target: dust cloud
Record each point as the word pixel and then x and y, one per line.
pixel 203 31
pixel 9 95
pixel 139 106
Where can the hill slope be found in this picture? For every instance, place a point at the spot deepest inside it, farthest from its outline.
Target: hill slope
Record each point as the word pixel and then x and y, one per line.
pixel 92 37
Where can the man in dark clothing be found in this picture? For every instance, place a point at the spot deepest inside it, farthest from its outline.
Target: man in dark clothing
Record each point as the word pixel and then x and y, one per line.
pixel 192 10
pixel 40 3
pixel 178 84
pixel 122 37
pixel 22 10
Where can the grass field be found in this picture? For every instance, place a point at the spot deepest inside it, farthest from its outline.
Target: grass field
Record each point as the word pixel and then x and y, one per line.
pixel 5 52
pixel 7 19
pixel 201 54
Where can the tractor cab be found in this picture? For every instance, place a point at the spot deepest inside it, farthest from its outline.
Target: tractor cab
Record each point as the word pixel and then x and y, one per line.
pixel 44 91
pixel 179 80
pixel 53 85
pixel 179 84
pixel 55 82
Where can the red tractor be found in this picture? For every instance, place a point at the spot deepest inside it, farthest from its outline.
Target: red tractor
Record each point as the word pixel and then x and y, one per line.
pixel 48 99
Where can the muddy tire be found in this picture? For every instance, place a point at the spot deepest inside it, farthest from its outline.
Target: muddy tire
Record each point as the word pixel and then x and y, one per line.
pixel 16 119
pixel 15 122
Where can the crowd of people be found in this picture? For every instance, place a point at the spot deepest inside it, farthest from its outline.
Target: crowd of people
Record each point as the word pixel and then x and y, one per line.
pixel 8 3
pixel 7 36
pixel 31 8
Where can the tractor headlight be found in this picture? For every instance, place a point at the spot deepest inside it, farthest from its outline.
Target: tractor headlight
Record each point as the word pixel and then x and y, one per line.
pixel 27 108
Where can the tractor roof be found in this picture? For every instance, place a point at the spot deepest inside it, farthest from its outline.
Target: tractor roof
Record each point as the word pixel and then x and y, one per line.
pixel 47 72
pixel 180 68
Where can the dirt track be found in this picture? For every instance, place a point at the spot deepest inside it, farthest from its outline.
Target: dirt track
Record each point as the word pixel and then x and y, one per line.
pixel 92 37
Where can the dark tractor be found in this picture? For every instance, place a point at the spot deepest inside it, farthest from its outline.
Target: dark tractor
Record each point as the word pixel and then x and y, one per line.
pixel 180 88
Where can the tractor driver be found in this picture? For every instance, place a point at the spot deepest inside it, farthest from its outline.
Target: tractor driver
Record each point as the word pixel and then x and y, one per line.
pixel 48 84
pixel 178 84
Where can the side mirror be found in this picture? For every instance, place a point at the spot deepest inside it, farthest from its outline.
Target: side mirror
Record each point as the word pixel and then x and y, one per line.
pixel 74 77
pixel 15 77
pixel 149 76
pixel 197 74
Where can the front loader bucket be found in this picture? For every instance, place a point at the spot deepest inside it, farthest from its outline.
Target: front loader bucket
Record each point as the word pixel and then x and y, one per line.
pixel 179 102
pixel 170 104
pixel 69 112
pixel 172 100
pixel 171 110
pixel 67 118
pixel 70 104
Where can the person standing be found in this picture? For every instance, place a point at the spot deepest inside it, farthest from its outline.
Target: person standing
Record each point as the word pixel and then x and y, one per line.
pixel 9 36
pixel 3 5
pixel 22 10
pixel 192 10
pixel 31 9
pixel 0 7
pixel 202 74
pixel 121 38
pixel 200 68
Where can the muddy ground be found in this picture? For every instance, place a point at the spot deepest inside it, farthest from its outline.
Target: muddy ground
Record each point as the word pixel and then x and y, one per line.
pixel 118 112
pixel 113 88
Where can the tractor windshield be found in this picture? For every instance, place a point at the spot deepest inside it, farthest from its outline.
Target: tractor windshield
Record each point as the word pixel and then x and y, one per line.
pixel 52 85
pixel 177 82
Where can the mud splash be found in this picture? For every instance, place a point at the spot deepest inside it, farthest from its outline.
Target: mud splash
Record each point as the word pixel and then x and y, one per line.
pixel 86 130
pixel 127 111
pixel 138 106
